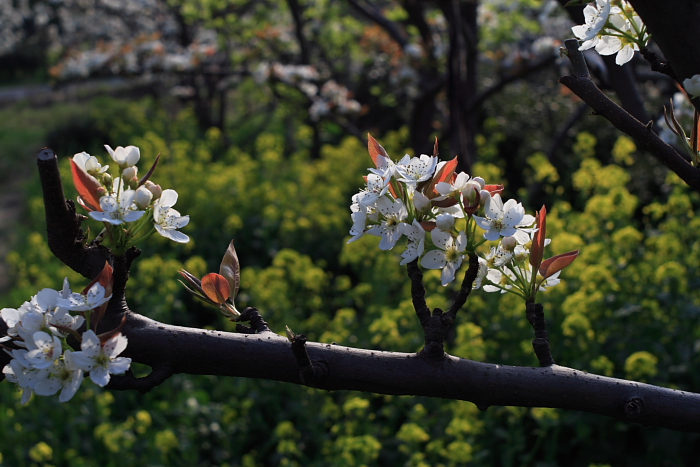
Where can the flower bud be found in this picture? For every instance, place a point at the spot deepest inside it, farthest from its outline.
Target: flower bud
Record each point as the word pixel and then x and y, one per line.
pixel 153 188
pixel 133 183
pixel 484 196
pixel 692 86
pixel 129 173
pixel 106 180
pixel 143 197
pixel 509 243
pixel 480 181
pixel 101 191
pixel 471 191
pixel 445 222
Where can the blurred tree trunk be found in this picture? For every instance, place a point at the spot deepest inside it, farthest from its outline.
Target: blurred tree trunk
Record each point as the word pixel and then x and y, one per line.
pixel 461 16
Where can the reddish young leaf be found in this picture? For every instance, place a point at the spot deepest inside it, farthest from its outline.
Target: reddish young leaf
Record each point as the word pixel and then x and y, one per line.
pixel 494 189
pixel 555 264
pixel 231 269
pixel 428 225
pixel 87 187
pixel 375 150
pixel 537 248
pixel 445 174
pixel 216 287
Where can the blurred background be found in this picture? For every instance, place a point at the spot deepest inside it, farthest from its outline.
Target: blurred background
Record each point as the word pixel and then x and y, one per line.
pixel 260 112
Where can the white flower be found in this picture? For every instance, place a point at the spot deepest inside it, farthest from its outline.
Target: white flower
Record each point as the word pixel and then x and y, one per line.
pixel 168 220
pixel 101 359
pixel 449 257
pixel 692 86
pixel 359 220
pixel 26 378
pixel 89 163
pixel 94 297
pixel 595 17
pixel 551 281
pixel 416 241
pixel 394 213
pixel 481 274
pixel 63 375
pixel 624 47
pixel 125 157
pixel 47 350
pixel 418 169
pixel 503 279
pixel 377 187
pixel 23 322
pixel 453 189
pixel 501 219
pixel 117 211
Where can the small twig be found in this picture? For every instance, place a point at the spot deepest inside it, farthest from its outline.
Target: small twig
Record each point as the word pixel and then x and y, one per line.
pixel 535 315
pixel 256 320
pixel 418 291
pixel 466 289
pixel 658 65
pixel 310 373
pixel 64 234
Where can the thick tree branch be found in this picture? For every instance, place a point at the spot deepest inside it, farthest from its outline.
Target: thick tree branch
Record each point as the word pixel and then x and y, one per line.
pixel 269 356
pixel 582 85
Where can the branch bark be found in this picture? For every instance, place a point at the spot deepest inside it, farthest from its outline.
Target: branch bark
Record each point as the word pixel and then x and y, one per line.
pixel 582 85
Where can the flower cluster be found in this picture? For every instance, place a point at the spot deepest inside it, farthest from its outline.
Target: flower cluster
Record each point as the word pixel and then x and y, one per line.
pixel 417 195
pixel 612 27
pixel 42 360
pixel 131 209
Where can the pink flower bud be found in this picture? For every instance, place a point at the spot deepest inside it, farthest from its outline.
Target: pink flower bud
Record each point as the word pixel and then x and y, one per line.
pixel 155 189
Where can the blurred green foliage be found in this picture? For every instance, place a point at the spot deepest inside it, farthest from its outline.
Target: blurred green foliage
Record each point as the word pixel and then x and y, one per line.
pixel 628 307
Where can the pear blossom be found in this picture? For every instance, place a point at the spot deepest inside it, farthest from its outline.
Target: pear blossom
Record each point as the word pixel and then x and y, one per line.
pixel 692 86
pixel 125 157
pixel 89 163
pixel 394 214
pixel 94 297
pixel 377 187
pixel 502 220
pixel 101 359
pixel 418 169
pixel 416 241
pixel 455 188
pixel 503 279
pixel 63 375
pixel 481 273
pixel 117 210
pixel 622 44
pixel 48 349
pixel 596 17
pixel 168 220
pixel 359 220
pixel 448 257
pixel 25 377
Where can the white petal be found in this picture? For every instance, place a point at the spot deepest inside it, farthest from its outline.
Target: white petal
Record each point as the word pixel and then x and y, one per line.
pixel 434 259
